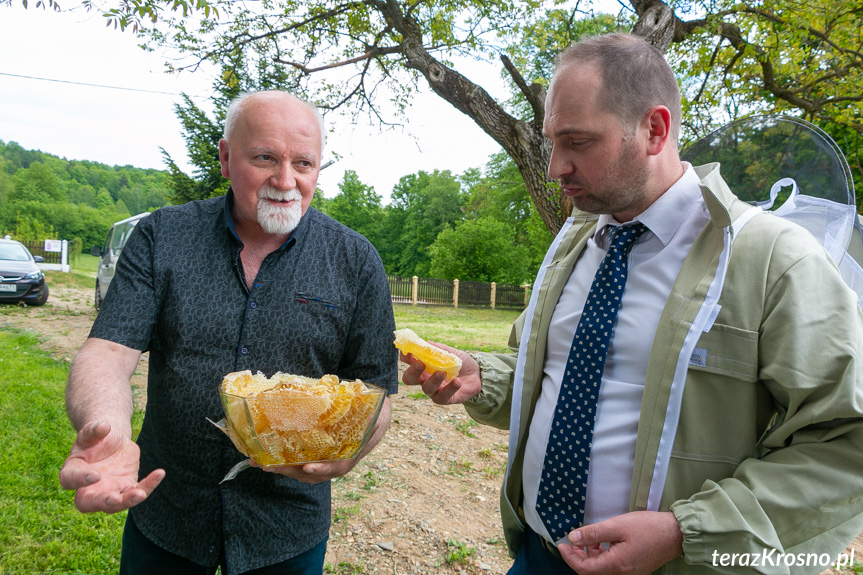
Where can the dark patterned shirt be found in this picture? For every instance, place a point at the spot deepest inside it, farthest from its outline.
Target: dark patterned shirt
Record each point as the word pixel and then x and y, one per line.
pixel 320 304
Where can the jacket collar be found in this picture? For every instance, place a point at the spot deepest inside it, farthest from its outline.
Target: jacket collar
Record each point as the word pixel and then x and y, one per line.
pixel 721 203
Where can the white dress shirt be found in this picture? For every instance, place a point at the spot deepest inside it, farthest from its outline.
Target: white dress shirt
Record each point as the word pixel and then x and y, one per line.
pixel 674 220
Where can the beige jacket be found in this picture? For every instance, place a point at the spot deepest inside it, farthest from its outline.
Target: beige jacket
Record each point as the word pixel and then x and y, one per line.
pixel 751 425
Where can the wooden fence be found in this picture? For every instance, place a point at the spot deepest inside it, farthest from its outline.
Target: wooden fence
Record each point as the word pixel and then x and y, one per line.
pixel 37 248
pixel 431 291
pixel 55 254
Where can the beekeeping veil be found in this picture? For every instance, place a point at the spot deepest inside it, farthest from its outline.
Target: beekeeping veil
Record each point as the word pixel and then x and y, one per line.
pixel 794 170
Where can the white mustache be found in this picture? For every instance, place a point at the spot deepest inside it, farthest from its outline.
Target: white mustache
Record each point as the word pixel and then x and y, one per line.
pixel 269 193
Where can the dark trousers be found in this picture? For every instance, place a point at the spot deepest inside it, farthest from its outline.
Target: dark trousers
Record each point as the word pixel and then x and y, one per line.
pixel 534 559
pixel 140 556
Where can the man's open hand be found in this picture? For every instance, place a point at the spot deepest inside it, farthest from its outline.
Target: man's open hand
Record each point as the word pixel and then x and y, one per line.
pixel 102 469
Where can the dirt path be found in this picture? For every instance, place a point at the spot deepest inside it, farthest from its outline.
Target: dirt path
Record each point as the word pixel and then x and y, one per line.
pixel 425 501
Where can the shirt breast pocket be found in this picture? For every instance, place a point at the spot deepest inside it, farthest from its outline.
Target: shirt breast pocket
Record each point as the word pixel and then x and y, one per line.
pixel 323 312
pixel 728 351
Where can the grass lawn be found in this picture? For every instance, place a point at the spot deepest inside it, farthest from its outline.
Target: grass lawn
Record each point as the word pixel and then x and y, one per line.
pixel 86 264
pixel 74 279
pixel 40 529
pixel 463 328
pixel 83 274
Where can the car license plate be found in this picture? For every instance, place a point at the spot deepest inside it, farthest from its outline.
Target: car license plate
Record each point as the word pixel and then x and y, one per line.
pixel 8 287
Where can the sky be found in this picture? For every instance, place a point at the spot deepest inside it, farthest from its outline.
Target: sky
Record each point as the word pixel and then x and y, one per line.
pixel 59 80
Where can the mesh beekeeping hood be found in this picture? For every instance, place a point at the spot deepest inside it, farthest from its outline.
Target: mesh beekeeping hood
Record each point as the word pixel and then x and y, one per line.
pixel 794 170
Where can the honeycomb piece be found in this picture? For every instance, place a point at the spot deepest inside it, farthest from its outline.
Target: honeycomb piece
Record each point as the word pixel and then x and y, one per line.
pixel 294 410
pixel 317 445
pixel 434 358
pixel 243 383
pixel 290 381
pixel 340 405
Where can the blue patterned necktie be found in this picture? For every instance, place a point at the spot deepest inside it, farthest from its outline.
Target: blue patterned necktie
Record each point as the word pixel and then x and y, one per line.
pixel 563 481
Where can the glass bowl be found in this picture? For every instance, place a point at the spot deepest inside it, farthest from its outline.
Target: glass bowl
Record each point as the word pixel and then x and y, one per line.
pixel 297 426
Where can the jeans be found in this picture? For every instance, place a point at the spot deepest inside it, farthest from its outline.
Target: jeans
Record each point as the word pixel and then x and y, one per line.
pixel 140 556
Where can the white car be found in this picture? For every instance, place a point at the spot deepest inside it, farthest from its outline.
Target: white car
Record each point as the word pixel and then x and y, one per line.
pixel 109 253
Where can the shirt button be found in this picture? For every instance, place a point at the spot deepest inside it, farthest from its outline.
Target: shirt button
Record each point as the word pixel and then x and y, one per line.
pixel 244 351
pixel 253 305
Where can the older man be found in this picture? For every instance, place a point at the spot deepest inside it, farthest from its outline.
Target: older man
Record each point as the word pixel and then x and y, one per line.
pixel 252 280
pixel 686 396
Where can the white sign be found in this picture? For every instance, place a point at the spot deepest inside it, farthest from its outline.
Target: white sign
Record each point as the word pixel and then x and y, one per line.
pixel 53 246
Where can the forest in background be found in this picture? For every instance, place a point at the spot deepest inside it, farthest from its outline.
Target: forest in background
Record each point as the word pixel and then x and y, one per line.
pixel 43 196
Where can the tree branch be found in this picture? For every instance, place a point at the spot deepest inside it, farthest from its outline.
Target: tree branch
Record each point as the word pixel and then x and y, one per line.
pixel 246 38
pixel 709 70
pixel 812 31
pixel 373 53
pixel 522 141
pixel 534 93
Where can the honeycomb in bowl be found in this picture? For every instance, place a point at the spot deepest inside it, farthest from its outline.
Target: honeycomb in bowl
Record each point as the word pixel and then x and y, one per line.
pixel 289 419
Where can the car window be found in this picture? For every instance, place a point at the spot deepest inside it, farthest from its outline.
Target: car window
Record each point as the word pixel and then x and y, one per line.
pixel 121 234
pixel 108 241
pixel 117 241
pixel 13 252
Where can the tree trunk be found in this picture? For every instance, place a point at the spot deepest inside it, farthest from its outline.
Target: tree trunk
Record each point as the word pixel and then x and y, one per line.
pixel 522 140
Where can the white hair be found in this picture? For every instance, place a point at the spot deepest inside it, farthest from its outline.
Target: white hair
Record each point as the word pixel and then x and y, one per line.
pixel 238 104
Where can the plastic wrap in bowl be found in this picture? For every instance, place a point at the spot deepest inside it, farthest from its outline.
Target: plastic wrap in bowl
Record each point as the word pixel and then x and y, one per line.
pixel 290 420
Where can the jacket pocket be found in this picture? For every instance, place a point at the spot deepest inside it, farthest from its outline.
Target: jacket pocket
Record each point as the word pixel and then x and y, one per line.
pixel 729 351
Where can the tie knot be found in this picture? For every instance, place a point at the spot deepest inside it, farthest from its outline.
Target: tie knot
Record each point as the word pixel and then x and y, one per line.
pixel 623 237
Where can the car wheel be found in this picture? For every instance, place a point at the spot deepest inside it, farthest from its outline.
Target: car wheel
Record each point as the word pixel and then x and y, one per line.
pixel 97 300
pixel 43 297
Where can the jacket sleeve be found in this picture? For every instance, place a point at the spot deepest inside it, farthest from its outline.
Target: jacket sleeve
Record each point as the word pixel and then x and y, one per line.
pixel 798 499
pixel 493 404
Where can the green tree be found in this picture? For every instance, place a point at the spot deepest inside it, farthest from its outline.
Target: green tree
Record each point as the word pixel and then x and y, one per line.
pixel 202 136
pixel 479 250
pixel 72 221
pixel 58 200
pixel 103 199
pixel 7 187
pixel 358 206
pixel 83 194
pixel 121 209
pixel 320 202
pixel 37 182
pixel 502 195
pixel 421 206
pixel 29 229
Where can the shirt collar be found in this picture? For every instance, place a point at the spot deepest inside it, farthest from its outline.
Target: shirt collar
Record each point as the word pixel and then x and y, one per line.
pixel 664 216
pixel 295 236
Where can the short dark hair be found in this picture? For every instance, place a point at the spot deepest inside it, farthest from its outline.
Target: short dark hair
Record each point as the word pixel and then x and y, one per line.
pixel 635 76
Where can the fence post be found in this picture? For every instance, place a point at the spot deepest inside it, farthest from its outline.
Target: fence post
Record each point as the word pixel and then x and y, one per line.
pixel 493 293
pixel 455 293
pixel 526 296
pixel 64 256
pixel 415 289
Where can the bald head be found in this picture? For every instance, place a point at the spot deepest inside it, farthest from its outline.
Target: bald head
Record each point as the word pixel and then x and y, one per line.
pixel 246 102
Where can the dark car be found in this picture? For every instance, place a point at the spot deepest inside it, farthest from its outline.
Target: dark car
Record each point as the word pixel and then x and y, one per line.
pixel 21 280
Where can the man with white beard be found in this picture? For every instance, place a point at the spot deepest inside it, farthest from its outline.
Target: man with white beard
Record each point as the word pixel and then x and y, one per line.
pixel 257 280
